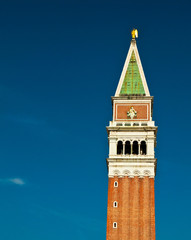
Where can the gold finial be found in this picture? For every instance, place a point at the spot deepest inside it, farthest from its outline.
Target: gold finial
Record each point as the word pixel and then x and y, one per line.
pixel 134 33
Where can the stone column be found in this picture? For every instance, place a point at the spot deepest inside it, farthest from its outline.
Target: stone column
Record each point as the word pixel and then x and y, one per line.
pixel 139 148
pixel 123 148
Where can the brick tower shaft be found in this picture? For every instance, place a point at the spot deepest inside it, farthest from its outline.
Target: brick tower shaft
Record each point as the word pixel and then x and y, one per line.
pixel 135 213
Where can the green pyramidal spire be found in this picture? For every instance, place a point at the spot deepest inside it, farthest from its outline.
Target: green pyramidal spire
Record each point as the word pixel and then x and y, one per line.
pixel 132 83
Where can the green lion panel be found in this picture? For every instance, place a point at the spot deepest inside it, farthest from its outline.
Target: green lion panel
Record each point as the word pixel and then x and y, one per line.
pixel 132 83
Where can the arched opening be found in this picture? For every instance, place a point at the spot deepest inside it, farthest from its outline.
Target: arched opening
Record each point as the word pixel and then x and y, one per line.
pixel 119 147
pixel 143 148
pixel 115 184
pixel 115 204
pixel 114 225
pixel 127 147
pixel 135 148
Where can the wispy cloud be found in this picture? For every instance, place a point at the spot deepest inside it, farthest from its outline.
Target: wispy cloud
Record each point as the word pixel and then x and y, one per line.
pixel 17 181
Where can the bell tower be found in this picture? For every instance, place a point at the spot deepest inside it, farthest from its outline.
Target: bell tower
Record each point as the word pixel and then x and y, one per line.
pixel 131 162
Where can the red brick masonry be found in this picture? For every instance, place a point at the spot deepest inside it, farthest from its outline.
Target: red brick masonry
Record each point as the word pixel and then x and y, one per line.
pixel 135 214
pixel 142 109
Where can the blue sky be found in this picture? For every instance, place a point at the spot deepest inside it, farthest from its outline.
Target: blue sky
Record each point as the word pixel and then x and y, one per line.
pixel 60 63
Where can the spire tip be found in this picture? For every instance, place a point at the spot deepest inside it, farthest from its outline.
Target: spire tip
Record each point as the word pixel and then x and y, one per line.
pixel 134 33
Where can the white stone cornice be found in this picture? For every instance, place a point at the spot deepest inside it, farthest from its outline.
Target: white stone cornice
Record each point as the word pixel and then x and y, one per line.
pixel 122 160
pixel 132 172
pixel 132 168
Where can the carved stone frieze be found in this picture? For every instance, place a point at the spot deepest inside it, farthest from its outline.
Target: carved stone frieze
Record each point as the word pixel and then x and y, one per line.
pixel 132 172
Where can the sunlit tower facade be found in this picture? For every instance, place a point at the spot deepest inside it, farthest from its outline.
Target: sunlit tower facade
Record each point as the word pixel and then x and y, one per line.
pixel 131 162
